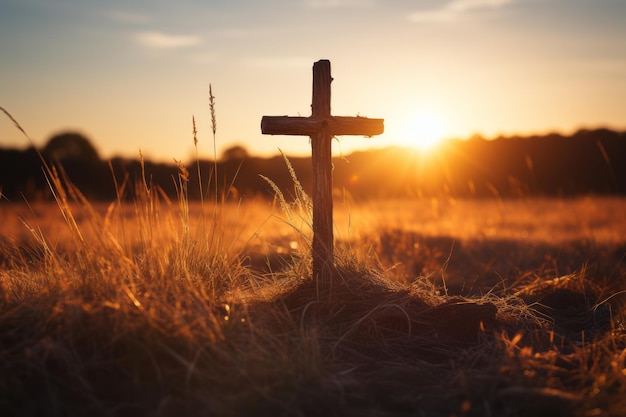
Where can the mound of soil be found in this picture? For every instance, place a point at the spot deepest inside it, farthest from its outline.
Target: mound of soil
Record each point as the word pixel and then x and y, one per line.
pixel 365 314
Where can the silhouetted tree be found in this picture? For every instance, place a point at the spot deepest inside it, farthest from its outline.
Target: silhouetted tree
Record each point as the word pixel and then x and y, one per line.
pixel 235 152
pixel 70 146
pixel 81 164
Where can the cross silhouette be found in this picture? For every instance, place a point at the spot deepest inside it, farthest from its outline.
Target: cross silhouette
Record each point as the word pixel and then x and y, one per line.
pixel 321 127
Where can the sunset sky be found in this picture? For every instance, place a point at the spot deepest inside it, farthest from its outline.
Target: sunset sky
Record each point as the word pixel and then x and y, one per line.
pixel 130 74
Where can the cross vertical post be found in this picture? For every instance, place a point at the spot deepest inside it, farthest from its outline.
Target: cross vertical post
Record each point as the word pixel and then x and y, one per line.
pixel 321 127
pixel 321 156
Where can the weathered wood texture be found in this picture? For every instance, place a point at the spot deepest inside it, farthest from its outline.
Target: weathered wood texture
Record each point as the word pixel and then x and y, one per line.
pixel 321 127
pixel 321 155
pixel 309 126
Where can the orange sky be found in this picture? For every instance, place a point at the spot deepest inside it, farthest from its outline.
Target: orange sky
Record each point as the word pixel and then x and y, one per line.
pixel 130 75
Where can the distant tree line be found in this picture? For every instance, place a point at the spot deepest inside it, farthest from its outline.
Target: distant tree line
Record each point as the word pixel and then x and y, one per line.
pixel 587 162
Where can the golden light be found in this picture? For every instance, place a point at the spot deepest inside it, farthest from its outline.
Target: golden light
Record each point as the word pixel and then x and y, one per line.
pixel 423 129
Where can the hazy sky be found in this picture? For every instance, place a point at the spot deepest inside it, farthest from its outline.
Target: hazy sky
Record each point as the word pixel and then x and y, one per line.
pixel 130 74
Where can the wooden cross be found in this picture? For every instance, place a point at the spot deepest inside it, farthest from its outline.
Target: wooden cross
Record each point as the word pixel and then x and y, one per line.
pixel 321 127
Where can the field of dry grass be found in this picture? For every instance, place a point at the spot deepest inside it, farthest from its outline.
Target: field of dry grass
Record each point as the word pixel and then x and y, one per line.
pixel 439 308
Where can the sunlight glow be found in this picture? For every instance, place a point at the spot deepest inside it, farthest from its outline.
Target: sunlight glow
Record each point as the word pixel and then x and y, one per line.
pixel 423 129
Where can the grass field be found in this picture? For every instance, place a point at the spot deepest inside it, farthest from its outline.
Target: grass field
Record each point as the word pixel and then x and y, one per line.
pixel 439 308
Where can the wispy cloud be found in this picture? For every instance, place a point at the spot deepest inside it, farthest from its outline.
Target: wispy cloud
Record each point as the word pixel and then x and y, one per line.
pixel 161 40
pixel 335 4
pixel 455 9
pixel 469 5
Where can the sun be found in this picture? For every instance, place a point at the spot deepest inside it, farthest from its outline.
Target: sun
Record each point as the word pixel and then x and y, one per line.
pixel 423 129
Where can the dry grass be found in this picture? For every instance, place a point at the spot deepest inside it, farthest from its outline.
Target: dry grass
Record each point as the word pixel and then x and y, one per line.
pixel 156 308
pixel 439 308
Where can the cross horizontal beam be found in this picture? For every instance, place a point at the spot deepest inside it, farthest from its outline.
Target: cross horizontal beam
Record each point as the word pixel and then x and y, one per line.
pixel 309 126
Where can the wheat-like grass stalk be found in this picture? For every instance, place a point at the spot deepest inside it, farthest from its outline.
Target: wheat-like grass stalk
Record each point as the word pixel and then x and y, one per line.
pixel 195 144
pixel 214 131
pixel 299 213
pixel 183 197
pixel 17 124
